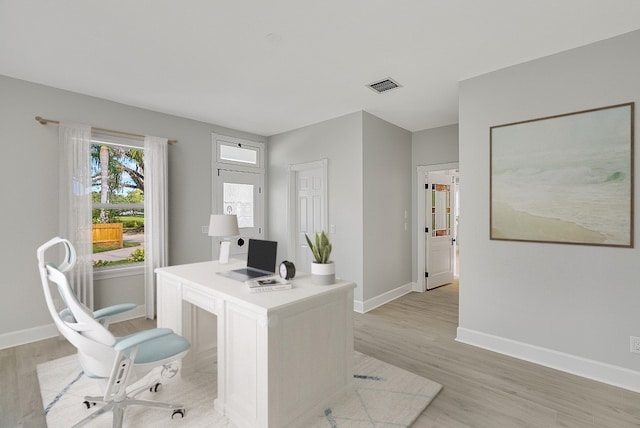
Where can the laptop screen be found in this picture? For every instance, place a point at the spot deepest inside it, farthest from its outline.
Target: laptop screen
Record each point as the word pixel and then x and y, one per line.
pixel 262 255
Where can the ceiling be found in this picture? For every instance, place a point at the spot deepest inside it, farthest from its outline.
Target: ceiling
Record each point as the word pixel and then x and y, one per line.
pixel 269 66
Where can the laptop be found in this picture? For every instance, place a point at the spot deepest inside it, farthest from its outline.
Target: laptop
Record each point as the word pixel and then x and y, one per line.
pixel 261 261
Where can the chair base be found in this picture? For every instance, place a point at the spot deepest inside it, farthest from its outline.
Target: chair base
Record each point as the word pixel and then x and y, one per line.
pixel 118 407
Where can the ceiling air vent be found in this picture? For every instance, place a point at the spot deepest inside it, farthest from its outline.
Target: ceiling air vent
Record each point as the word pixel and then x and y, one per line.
pixel 383 85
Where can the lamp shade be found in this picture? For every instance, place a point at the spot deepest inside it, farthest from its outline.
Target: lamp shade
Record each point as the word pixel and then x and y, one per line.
pixel 223 225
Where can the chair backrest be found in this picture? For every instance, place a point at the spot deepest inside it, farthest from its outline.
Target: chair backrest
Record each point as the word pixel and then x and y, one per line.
pixel 75 321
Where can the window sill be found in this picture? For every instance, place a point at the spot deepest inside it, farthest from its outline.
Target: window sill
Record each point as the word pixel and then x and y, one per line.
pixel 117 272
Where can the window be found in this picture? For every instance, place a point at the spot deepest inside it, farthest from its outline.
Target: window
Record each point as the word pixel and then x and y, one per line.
pixel 245 155
pixel 117 172
pixel 237 153
pixel 238 199
pixel 440 209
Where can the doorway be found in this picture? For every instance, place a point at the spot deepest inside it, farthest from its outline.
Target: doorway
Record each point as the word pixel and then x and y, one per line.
pixel 238 188
pixel 308 208
pixel 437 225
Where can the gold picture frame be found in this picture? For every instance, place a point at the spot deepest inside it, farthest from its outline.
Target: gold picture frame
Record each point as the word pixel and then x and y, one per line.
pixel 564 179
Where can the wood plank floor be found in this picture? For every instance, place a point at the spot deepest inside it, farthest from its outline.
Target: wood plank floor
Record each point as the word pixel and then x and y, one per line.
pixel 415 332
pixel 483 388
pixel 20 401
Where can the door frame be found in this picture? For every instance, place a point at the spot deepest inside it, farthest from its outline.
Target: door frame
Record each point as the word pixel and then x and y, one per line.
pixel 421 171
pixel 292 201
pixel 218 164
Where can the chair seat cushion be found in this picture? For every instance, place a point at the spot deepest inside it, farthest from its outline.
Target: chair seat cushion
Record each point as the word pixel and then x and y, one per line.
pixel 160 348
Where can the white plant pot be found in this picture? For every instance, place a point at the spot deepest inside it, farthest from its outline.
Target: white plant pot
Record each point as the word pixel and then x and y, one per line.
pixel 323 273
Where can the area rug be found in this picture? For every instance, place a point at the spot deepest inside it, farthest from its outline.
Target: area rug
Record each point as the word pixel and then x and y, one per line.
pixel 384 396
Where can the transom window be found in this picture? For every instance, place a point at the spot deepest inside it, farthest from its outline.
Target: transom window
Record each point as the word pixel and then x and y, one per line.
pixel 244 154
pixel 237 153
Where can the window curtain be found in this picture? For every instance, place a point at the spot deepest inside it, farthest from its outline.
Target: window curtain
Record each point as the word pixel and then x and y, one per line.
pixel 75 205
pixel 155 214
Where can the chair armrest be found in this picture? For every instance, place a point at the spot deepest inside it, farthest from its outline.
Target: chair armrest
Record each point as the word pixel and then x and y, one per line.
pixel 143 336
pixel 113 310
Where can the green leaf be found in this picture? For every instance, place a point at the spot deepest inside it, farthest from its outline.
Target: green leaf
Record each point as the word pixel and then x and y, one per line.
pixel 321 250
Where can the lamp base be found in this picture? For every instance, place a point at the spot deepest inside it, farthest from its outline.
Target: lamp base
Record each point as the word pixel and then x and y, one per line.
pixel 224 252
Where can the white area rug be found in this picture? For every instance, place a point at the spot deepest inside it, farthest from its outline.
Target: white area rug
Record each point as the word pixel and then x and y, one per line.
pixel 384 396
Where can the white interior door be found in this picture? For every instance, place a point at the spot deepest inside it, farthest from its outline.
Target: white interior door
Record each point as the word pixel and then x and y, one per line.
pixel 241 193
pixel 439 229
pixel 308 203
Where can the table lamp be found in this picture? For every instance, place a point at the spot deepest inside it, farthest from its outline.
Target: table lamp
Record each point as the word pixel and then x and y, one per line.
pixel 223 226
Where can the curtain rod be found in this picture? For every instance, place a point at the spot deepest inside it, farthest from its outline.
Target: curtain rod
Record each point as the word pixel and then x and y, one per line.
pixel 44 121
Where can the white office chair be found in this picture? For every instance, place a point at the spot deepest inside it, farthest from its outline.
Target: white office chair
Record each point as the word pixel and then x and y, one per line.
pixel 114 362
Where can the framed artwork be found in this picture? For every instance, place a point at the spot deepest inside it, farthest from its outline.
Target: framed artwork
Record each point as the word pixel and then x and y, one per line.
pixel 564 179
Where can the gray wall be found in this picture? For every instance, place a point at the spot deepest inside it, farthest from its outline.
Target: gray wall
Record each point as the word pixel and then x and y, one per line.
pixel 340 141
pixel 29 177
pixel 112 291
pixel 434 146
pixel 369 191
pixel 387 199
pixel 429 147
pixel 575 300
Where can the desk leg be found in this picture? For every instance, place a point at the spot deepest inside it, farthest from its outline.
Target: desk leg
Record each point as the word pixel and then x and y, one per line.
pixel 170 304
pixel 243 371
pixel 219 402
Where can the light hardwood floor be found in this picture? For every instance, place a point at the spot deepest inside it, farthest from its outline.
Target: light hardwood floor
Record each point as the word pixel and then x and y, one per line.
pixel 415 332
pixel 20 402
pixel 483 388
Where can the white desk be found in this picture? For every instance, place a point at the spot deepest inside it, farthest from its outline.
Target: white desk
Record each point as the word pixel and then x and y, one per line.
pixel 283 356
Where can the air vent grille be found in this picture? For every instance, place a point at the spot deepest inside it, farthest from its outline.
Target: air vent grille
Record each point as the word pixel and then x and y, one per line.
pixel 383 85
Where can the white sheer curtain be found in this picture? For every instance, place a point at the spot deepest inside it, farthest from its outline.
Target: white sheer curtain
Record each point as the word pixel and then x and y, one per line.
pixel 75 204
pixel 155 215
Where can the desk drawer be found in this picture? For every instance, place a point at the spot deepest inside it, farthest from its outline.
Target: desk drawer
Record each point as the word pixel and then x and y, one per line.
pixel 198 298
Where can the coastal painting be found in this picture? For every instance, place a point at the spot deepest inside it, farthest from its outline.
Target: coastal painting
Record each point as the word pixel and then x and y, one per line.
pixel 564 179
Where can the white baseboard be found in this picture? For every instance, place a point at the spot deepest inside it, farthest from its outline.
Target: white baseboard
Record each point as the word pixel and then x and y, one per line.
pixel 365 306
pixel 34 334
pixel 28 335
pixel 590 369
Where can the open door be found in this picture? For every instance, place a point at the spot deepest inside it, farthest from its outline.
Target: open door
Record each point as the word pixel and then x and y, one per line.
pixel 439 229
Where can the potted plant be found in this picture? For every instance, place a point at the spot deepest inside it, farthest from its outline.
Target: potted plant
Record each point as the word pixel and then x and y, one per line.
pixel 322 269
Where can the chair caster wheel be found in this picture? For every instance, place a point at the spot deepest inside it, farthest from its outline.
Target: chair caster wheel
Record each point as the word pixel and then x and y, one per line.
pixel 178 412
pixel 88 404
pixel 156 387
